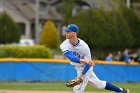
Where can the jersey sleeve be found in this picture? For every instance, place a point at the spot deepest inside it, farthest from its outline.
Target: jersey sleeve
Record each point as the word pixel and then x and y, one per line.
pixel 63 47
pixel 68 54
pixel 71 56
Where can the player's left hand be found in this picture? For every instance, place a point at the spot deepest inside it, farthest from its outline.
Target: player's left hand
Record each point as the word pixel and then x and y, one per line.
pixel 74 82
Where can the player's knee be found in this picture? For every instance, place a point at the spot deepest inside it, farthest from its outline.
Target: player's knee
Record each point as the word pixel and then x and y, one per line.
pixel 101 85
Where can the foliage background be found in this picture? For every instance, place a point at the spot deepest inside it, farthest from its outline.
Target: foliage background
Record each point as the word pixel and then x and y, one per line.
pixel 49 35
pixel 9 30
pixel 8 51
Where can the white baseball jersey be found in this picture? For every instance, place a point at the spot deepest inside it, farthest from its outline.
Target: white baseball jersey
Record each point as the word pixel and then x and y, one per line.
pixel 82 51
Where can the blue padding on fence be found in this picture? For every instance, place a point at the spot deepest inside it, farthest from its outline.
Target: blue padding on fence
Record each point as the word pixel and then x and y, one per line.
pixel 35 71
pixel 44 71
pixel 118 73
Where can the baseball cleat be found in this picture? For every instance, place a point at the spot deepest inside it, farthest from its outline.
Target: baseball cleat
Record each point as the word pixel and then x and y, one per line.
pixel 125 90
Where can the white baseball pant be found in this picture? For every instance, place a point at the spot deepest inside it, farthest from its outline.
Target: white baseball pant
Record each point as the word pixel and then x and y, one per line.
pixel 90 78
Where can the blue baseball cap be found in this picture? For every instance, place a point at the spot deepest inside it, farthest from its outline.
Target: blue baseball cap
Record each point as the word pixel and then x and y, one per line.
pixel 72 28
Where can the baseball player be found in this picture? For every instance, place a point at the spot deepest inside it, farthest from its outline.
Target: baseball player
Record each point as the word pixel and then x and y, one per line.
pixel 78 52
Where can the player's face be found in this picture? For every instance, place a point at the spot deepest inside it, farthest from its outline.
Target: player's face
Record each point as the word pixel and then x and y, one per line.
pixel 70 35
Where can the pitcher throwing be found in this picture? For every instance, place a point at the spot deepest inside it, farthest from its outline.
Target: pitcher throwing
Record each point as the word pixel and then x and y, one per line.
pixel 78 52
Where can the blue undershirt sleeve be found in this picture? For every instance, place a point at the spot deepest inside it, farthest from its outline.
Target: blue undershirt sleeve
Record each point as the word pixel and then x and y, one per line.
pixel 71 56
pixel 75 59
pixel 87 67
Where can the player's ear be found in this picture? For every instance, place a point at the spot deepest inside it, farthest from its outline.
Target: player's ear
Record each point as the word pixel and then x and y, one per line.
pixel 75 33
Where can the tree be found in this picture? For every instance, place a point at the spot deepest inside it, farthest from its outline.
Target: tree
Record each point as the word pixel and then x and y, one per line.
pixel 49 35
pixel 68 8
pixel 103 29
pixel 9 30
pixel 133 21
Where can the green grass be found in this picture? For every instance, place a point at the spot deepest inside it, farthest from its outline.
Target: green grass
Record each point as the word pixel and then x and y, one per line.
pixel 134 87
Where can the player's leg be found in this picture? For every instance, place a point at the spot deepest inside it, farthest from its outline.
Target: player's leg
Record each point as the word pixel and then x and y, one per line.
pixel 81 87
pixel 112 87
pixel 94 81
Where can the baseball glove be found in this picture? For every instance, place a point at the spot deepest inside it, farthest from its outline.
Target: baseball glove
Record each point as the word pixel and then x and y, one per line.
pixel 74 82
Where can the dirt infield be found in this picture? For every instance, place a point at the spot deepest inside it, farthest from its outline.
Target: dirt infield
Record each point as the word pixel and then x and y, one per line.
pixel 30 91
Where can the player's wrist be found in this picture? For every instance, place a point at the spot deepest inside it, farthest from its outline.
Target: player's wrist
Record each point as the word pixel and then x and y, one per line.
pixel 80 76
pixel 82 61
